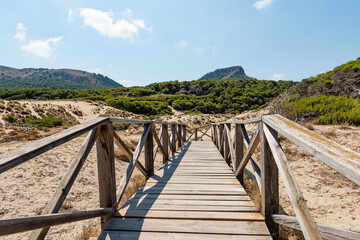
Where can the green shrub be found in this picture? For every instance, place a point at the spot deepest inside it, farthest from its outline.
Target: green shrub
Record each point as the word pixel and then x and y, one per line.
pixel 323 109
pixel 121 126
pixel 10 118
pixel 49 122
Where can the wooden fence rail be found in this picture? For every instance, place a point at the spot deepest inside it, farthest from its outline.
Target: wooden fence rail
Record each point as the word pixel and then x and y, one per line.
pixel 233 142
pixel 273 162
pixel 101 132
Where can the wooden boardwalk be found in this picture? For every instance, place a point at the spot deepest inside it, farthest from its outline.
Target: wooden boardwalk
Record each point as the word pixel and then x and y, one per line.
pixel 194 195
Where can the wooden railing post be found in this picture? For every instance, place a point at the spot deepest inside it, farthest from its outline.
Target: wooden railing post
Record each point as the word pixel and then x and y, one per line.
pixel 196 134
pixel 106 169
pixel 184 133
pixel 180 135
pixel 173 140
pixel 269 184
pixel 165 142
pixel 239 149
pixel 221 131
pixel 148 150
pixel 226 146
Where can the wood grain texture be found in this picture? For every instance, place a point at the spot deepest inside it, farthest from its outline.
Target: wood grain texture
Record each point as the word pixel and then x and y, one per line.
pixel 339 158
pixel 298 202
pixel 31 150
pixel 326 231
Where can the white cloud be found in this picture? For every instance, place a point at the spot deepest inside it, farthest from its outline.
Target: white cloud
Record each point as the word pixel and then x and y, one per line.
pixel 261 4
pixel 278 76
pixel 41 48
pixel 70 17
pixel 107 25
pixel 20 32
pixel 182 44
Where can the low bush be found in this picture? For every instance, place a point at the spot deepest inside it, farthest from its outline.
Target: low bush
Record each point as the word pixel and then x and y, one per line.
pixel 322 109
pixel 49 122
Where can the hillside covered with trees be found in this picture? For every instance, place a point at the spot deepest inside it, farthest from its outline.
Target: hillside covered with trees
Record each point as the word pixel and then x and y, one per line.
pixel 328 98
pixel 12 78
pixel 229 73
pixel 199 96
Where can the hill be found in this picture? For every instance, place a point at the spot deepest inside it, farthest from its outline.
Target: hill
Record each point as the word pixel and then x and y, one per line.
pixel 328 98
pixel 230 73
pixel 12 78
pixel 342 80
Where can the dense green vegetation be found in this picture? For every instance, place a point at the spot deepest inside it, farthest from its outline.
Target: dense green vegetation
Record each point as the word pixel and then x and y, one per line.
pixel 323 109
pixel 12 79
pixel 198 96
pixel 49 121
pixel 326 77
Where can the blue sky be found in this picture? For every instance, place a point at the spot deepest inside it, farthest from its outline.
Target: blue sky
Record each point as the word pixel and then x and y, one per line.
pixel 140 42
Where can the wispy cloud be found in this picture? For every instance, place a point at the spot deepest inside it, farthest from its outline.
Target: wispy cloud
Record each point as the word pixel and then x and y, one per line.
pixel 278 76
pixel 40 48
pixel 70 17
pixel 182 44
pixel 106 24
pixel 261 4
pixel 20 32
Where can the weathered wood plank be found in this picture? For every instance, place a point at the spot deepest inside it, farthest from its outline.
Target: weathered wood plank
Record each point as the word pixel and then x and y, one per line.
pixel 339 158
pixel 106 169
pixel 326 231
pixel 220 209
pixel 182 202
pixel 203 215
pixel 301 210
pixel 188 226
pixel 17 225
pixel 269 185
pixel 191 197
pixel 165 142
pixel 31 150
pixel 148 150
pixel 131 235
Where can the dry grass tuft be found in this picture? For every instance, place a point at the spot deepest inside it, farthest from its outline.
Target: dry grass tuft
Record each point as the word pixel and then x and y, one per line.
pixel 88 231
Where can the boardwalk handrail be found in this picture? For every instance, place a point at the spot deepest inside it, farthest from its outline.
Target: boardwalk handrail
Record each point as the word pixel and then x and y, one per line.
pixel 101 132
pixel 273 162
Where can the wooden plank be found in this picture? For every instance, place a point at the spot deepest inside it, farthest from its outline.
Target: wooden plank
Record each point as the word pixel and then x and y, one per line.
pixel 17 225
pixel 301 210
pixel 106 169
pixel 148 150
pixel 131 235
pixel 246 121
pixel 220 209
pixel 119 142
pixel 184 133
pixel 190 197
pixel 173 140
pixel 165 142
pixel 66 183
pixel 200 215
pixel 326 231
pixel 188 226
pixel 269 185
pixel 197 202
pixel 194 192
pixel 239 146
pixel 194 181
pixel 179 131
pixel 31 150
pixel 231 146
pixel 339 158
pixel 249 152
